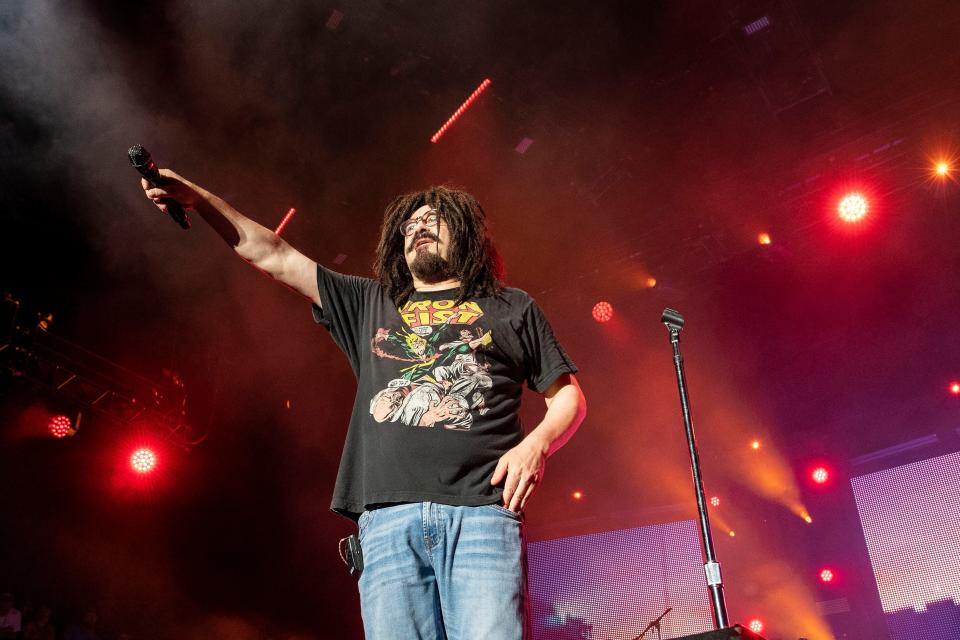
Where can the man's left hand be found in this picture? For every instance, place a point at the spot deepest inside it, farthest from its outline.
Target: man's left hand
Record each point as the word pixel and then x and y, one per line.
pixel 523 468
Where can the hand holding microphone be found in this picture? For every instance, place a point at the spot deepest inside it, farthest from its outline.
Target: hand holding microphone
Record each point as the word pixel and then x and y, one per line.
pixel 171 193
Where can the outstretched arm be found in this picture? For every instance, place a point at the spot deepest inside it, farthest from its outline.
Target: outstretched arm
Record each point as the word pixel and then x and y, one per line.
pixel 256 244
pixel 523 466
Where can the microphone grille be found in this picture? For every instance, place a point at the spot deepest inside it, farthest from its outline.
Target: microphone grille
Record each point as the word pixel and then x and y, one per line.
pixel 138 155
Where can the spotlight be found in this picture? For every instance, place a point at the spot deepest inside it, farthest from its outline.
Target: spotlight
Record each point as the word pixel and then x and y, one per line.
pixel 715 501
pixel 732 534
pixel 576 495
pixel 143 460
pixel 827 576
pixel 756 625
pixel 820 475
pixel 853 207
pixel 60 427
pixel 602 312
pixel 764 238
pixel 755 445
pixel 955 388
pixel 651 282
pixel 942 168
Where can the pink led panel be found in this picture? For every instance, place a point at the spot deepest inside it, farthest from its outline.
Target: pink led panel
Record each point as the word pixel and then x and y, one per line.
pixel 911 521
pixel 611 584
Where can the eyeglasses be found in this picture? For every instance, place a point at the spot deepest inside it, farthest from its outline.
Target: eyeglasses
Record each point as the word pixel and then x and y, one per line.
pixel 430 219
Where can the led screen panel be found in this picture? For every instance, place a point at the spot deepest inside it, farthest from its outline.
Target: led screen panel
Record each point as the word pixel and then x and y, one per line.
pixel 911 521
pixel 610 585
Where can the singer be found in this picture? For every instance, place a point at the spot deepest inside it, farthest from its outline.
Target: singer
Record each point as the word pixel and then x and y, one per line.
pixel 436 468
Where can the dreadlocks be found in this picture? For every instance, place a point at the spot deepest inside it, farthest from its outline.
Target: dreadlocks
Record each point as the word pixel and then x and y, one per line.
pixel 473 258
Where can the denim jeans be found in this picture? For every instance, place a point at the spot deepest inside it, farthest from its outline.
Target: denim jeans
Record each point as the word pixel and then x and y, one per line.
pixel 440 572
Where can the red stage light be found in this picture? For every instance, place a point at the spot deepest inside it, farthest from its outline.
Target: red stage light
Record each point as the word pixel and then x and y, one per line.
pixel 651 282
pixel 602 311
pixel 577 495
pixel 756 625
pixel 143 460
pixel 285 220
pixel 853 207
pixel 820 475
pixel 755 445
pixel 459 112
pixel 60 427
pixel 826 576
pixel 764 238
pixel 955 388
pixel 715 501
pixel 943 168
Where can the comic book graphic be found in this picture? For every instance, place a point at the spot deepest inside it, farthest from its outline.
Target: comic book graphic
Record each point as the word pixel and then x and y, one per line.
pixel 440 372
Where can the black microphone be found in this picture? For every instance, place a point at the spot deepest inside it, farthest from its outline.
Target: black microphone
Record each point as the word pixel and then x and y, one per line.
pixel 142 162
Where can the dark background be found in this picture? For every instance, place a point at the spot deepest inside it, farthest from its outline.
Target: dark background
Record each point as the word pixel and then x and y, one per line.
pixel 664 141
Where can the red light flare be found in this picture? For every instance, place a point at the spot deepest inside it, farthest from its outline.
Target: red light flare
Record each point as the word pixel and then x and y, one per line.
pixel 459 112
pixel 715 501
pixel 755 625
pixel 577 495
pixel 954 388
pixel 764 238
pixel 143 460
pixel 820 475
pixel 827 575
pixel 602 312
pixel 755 445
pixel 853 207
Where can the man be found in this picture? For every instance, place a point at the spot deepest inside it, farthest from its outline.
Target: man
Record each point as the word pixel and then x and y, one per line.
pixel 436 480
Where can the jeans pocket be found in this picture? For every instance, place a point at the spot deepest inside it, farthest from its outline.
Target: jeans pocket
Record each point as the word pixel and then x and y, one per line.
pixel 505 511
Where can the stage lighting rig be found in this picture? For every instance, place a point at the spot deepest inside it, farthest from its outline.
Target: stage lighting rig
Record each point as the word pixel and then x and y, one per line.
pixel 90 382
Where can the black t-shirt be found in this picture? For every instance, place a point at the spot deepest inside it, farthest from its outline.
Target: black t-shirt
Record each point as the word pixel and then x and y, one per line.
pixel 438 389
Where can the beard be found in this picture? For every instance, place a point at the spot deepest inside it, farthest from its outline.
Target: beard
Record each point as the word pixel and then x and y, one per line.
pixel 429 267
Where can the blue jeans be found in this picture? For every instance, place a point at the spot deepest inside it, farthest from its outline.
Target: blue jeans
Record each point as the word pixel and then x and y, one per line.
pixel 440 572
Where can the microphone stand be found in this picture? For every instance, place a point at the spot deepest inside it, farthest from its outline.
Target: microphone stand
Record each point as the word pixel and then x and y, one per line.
pixel 674 322
pixel 655 624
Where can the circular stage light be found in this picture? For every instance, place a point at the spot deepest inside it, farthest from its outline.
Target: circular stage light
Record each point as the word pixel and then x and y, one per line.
pixel 943 168
pixel 60 427
pixel 715 501
pixel 955 388
pixel 764 238
pixel 143 460
pixel 826 576
pixel 853 208
pixel 820 475
pixel 756 625
pixel 602 311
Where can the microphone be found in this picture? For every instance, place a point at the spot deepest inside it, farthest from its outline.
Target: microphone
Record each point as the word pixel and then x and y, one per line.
pixel 672 318
pixel 142 162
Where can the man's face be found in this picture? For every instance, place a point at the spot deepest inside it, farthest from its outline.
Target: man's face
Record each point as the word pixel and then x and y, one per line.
pixel 427 248
pixel 419 347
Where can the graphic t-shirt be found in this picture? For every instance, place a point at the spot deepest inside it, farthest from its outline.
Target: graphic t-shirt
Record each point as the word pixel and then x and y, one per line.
pixel 438 389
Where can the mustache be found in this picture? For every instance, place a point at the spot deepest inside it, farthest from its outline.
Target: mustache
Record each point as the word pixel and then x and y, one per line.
pixel 424 234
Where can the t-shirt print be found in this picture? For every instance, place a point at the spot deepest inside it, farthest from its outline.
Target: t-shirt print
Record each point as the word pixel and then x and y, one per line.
pixel 440 375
